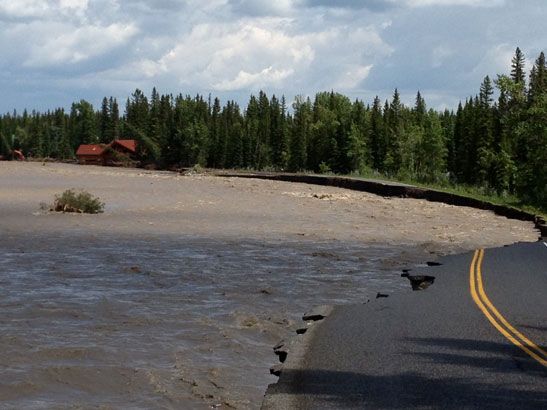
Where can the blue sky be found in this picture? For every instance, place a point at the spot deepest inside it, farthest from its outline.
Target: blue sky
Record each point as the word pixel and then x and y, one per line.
pixel 55 52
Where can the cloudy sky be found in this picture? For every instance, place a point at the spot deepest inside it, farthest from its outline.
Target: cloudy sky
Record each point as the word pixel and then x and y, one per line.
pixel 54 52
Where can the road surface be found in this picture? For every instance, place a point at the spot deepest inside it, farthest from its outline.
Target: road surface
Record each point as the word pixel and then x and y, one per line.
pixel 474 338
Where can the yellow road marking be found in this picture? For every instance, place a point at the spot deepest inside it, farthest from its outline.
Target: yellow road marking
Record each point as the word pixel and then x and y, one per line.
pixel 498 314
pixel 481 300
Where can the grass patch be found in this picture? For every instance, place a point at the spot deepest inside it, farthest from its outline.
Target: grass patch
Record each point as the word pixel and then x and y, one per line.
pixel 78 202
pixel 478 193
pixel 465 191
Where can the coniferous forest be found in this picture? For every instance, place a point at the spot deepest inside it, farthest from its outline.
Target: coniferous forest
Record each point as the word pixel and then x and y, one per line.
pixel 496 140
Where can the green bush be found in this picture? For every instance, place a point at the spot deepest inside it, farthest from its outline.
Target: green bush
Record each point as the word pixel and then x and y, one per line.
pixel 80 202
pixel 324 168
pixel 197 169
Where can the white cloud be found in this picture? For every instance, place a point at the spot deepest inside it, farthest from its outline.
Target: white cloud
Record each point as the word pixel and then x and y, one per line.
pixel 65 44
pixel 255 53
pixel 24 8
pixel 229 55
pixel 251 54
pixel 73 4
pixel 388 5
pixel 245 80
pixel 472 3
pixel 42 8
pixel 352 78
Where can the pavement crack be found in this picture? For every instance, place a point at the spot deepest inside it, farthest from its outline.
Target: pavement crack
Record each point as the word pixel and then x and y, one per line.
pixel 419 282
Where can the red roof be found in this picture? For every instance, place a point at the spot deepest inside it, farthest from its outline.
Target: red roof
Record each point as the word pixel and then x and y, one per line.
pixel 93 149
pixel 130 145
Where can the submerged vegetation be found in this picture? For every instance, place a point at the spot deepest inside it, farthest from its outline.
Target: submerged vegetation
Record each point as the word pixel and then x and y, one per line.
pixel 77 201
pixel 495 146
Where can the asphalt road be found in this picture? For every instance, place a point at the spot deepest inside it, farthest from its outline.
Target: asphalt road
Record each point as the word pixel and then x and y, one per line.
pixel 475 338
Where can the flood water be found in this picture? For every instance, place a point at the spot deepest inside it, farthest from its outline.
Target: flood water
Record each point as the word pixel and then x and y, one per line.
pixel 91 321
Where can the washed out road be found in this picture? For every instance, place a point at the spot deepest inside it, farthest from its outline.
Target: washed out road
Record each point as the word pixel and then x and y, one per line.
pixel 474 338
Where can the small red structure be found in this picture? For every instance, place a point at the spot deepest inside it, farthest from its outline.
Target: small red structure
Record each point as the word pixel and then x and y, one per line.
pixel 90 154
pixel 18 155
pixel 118 152
pixel 128 147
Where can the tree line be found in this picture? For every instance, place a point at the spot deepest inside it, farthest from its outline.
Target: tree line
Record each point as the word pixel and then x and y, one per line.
pixel 498 144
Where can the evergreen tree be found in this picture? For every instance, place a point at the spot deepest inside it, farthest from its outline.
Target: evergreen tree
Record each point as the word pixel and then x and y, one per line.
pixel 137 111
pixel 217 149
pixel 322 145
pixel 360 147
pixel 486 92
pixel 538 80
pixel 59 124
pixel 420 109
pixel 486 153
pixel 233 129
pixel 84 125
pixel 431 155
pixel 376 137
pixel 278 133
pixel 357 149
pixel 114 129
pixel 394 126
pixel 262 147
pixel 517 67
pixel 155 123
pixel 104 122
pixel 300 134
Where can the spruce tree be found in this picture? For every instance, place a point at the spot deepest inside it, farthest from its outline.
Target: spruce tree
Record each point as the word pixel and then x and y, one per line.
pixel 137 112
pixel 377 141
pixel 104 122
pixel 215 149
pixel 538 80
pixel 114 123
pixel 431 157
pixel 262 149
pixel 486 92
pixel 394 125
pixel 484 135
pixel 420 109
pixel 517 67
pixel 299 134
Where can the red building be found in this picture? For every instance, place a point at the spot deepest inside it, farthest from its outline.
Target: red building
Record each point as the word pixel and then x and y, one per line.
pixel 126 147
pixel 91 154
pixel 118 152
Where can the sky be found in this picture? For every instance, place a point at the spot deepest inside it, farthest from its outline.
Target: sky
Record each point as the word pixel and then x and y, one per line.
pixel 56 52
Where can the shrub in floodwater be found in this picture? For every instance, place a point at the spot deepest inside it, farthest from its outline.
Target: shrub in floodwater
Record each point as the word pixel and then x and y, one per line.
pixel 80 202
pixel 197 169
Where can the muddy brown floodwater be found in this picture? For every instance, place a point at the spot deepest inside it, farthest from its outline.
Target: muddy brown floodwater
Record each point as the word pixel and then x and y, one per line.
pixel 174 297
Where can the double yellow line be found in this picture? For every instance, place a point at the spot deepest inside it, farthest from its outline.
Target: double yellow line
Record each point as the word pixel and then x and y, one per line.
pixel 498 321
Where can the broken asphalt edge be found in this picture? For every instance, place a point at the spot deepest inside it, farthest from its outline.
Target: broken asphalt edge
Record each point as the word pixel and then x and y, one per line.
pixel 293 353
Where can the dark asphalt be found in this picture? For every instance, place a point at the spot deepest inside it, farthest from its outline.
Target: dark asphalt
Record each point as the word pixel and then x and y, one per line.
pixel 432 348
